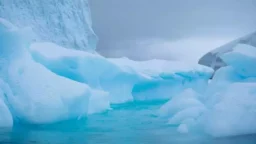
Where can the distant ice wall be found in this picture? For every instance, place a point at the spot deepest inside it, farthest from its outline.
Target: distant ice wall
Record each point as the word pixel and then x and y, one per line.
pixel 65 22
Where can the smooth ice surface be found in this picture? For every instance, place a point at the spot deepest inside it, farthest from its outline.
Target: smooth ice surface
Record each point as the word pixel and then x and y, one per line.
pixel 38 95
pixel 67 23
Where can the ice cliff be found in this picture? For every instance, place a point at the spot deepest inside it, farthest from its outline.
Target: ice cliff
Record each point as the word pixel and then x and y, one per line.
pixel 65 22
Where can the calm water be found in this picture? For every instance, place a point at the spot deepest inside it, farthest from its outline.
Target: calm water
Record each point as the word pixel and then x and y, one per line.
pixel 132 123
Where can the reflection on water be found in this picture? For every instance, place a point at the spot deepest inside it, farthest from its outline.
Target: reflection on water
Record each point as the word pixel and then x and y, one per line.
pixel 132 123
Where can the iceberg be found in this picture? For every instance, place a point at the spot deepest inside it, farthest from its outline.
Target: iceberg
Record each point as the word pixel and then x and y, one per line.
pixel 235 112
pixel 124 79
pixel 63 83
pixel 165 78
pixel 92 69
pixel 67 23
pixel 231 97
pixel 228 105
pixel 77 65
pixel 161 79
pixel 39 96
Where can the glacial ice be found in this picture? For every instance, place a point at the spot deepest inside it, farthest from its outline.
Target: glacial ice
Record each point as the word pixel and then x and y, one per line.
pixel 37 95
pixel 234 113
pixel 147 80
pixel 67 23
pixel 231 97
pixel 92 69
pixel 43 82
pixel 46 83
pixel 228 105
pixel 242 59
pixel 183 109
pixel 165 78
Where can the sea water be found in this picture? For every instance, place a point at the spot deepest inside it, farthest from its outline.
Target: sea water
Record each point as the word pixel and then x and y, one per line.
pixel 130 123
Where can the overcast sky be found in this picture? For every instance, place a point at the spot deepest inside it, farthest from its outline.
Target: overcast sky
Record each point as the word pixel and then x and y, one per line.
pixel 168 29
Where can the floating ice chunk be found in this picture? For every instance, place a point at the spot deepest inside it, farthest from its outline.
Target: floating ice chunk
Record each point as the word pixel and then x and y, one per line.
pixel 234 113
pixel 242 59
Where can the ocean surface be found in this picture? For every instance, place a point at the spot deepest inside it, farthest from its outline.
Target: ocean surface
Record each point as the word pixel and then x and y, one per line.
pixel 130 123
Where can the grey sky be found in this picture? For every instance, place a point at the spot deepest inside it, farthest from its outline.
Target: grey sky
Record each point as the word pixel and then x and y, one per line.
pixel 124 26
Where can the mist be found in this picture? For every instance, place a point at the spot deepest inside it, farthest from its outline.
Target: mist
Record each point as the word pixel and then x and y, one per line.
pixel 169 29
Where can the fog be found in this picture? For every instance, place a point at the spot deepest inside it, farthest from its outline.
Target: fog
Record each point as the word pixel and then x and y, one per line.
pixel 169 29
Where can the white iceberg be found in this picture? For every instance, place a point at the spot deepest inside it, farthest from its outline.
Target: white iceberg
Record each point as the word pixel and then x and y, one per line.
pixel 39 96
